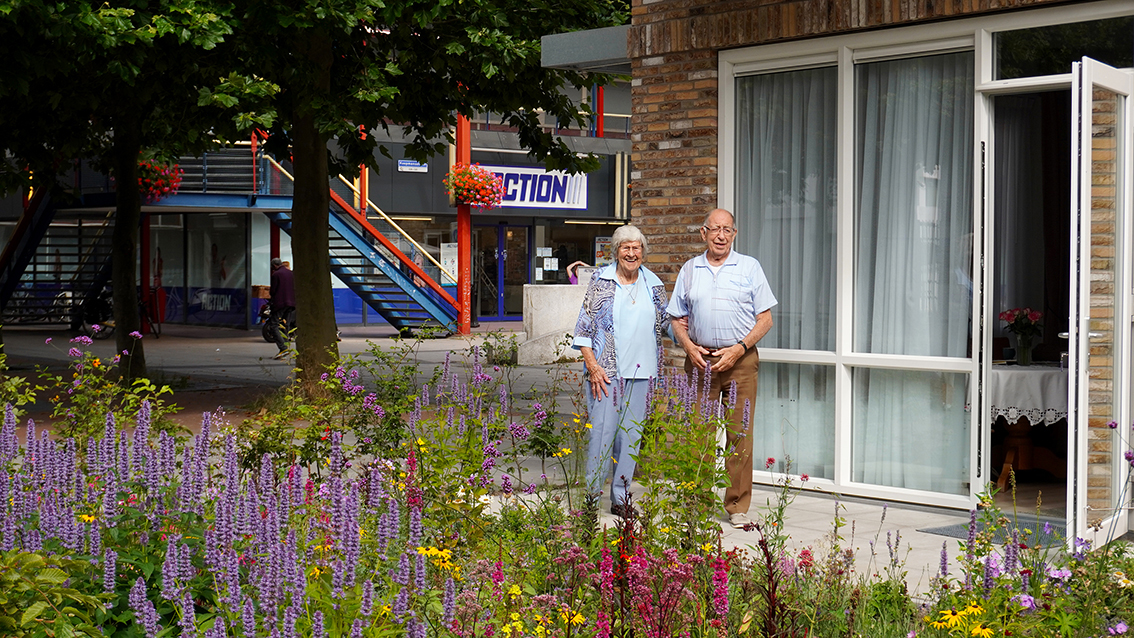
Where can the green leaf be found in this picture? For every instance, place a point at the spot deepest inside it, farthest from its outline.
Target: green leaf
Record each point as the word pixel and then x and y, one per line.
pixel 32 613
pixel 51 575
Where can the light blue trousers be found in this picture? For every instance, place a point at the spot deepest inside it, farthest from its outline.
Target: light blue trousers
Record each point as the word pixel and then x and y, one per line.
pixel 615 432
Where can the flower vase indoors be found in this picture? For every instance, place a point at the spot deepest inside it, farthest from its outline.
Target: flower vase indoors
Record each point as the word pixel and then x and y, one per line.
pixel 1025 324
pixel 478 187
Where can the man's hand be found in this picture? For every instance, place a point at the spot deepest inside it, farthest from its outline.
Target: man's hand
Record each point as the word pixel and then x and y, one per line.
pixel 728 357
pixel 695 352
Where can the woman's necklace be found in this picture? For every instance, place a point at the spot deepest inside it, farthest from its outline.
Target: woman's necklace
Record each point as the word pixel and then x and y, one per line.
pixel 631 289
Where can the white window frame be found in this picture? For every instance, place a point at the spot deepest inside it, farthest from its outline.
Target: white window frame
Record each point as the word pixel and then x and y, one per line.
pixel 844 51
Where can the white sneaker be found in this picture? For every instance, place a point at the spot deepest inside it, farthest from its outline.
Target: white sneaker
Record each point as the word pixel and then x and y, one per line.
pixel 739 520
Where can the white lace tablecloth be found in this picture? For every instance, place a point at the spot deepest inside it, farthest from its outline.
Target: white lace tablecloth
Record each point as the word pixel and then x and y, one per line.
pixel 1036 392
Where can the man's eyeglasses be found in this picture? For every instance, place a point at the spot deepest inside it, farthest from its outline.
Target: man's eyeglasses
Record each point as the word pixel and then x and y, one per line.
pixel 727 231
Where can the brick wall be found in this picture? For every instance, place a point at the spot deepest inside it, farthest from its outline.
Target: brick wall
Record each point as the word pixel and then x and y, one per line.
pixel 673 46
pixel 1101 439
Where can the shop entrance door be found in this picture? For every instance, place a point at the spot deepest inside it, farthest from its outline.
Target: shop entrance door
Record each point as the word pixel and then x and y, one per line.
pixel 502 266
pixel 1100 327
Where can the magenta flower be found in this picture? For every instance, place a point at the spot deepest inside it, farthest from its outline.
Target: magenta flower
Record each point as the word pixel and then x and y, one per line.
pixel 136 334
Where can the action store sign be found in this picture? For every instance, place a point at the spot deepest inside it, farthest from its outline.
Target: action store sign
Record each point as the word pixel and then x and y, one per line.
pixel 533 187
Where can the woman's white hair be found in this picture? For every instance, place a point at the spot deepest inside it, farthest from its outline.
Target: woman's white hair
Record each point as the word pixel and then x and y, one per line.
pixel 626 233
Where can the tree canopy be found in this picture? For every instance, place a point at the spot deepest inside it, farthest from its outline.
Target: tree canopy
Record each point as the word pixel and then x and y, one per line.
pixel 105 81
pixel 109 79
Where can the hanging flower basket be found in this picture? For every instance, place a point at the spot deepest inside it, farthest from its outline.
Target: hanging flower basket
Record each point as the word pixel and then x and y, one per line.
pixel 157 181
pixel 475 186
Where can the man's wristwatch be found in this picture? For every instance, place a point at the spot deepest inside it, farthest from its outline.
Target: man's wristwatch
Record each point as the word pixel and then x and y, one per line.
pixel 743 345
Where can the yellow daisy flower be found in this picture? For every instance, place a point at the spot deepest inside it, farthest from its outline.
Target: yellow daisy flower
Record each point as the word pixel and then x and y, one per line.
pixel 981 630
pixel 951 617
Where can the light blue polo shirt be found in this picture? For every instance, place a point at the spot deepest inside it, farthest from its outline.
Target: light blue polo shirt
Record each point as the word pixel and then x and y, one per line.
pixel 722 308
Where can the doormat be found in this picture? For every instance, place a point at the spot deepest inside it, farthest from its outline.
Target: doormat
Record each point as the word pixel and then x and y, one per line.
pixel 1045 531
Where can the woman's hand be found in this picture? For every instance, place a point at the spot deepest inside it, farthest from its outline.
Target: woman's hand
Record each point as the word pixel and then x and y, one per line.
pixel 595 374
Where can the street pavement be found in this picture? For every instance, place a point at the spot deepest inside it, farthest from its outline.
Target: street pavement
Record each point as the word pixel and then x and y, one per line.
pixel 206 359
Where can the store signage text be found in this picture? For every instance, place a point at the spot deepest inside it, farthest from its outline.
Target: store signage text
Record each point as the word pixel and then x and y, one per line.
pixel 533 187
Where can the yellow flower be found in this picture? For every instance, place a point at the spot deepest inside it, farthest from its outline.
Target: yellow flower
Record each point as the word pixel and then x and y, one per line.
pixel 565 450
pixel 515 616
pixel 708 547
pixel 315 571
pixel 589 426
pixel 938 624
pixel 951 617
pixel 578 619
pixel 514 591
pixel 663 530
pixel 981 630
pixel 972 608
pixel 87 518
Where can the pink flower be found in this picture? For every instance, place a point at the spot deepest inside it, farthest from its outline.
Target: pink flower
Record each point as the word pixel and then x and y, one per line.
pixel 1034 316
pixel 804 478
pixel 769 463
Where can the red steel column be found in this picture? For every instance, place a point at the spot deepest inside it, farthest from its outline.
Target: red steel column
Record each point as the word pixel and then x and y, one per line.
pixel 145 259
pixel 464 234
pixel 600 124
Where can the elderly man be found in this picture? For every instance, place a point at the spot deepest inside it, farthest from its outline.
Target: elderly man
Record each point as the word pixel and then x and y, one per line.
pixel 725 301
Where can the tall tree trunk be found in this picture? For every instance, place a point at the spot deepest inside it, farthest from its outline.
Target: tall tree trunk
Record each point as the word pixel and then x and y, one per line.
pixel 127 217
pixel 315 341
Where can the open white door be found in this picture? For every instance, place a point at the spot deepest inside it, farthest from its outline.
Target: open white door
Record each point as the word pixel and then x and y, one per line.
pixel 1098 489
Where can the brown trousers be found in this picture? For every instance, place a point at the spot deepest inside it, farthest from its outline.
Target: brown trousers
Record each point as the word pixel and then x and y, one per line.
pixel 738 496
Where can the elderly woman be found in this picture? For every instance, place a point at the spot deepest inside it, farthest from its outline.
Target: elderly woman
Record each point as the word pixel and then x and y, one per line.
pixel 619 333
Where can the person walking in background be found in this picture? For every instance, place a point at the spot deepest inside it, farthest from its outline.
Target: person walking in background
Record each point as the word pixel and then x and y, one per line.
pixel 282 300
pixel 619 334
pixel 721 308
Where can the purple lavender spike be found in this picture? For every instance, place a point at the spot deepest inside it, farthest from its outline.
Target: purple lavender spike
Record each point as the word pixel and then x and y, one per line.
pixel 944 571
pixel 109 567
pixel 317 630
pixel 248 619
pixel 419 573
pixel 188 621
pixel 141 435
pixel 143 609
pixel 170 570
pixel 9 447
pixel 449 603
pixel 356 628
pixel 366 606
pixel 123 456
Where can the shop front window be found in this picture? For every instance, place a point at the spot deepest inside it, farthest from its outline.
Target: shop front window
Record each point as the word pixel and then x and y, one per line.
pixel 217 269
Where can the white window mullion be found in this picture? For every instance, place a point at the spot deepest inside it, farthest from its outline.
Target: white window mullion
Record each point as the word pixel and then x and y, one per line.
pixel 844 292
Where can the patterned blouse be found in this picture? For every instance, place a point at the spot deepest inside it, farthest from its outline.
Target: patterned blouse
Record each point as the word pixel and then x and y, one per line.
pixel 595 328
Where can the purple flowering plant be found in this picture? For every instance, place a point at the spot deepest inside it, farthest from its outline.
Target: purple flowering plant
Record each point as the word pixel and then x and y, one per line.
pixel 90 387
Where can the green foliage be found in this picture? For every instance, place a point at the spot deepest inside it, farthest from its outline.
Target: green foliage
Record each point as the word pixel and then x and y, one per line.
pixel 82 399
pixel 14 391
pixel 37 601
pixel 682 469
pixel 364 396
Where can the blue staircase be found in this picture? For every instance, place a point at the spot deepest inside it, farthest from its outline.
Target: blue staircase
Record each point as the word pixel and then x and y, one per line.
pixel 375 273
pixel 54 261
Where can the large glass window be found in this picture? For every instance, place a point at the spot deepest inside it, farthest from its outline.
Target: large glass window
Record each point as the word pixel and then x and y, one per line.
pixel 1051 50
pixel 911 430
pixel 785 198
pixel 913 208
pixel 217 268
pixel 795 418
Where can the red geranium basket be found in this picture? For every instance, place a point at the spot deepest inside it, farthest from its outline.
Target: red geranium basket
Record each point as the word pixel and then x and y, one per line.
pixel 475 186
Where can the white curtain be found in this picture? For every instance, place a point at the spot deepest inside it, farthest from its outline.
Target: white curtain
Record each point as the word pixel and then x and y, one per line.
pixel 1018 206
pixel 913 282
pixel 785 159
